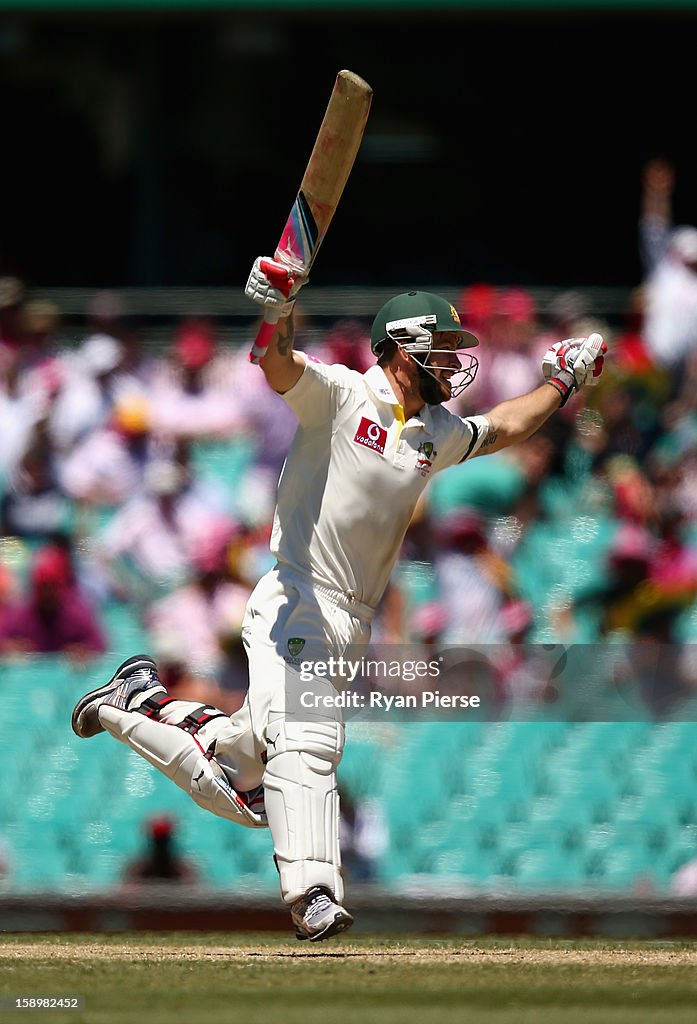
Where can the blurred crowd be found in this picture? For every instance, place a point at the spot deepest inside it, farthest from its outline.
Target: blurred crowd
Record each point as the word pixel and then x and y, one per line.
pixel 140 482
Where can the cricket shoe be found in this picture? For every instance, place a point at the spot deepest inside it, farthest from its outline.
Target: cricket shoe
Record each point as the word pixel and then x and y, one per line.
pixel 317 915
pixel 137 675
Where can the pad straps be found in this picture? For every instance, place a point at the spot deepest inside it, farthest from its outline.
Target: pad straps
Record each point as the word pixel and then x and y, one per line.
pixel 152 706
pixel 195 720
pixel 191 723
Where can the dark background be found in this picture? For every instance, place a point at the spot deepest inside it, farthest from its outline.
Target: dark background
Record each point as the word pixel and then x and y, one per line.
pixel 143 150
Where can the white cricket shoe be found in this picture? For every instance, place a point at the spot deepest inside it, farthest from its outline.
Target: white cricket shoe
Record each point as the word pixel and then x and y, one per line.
pixel 317 915
pixel 136 675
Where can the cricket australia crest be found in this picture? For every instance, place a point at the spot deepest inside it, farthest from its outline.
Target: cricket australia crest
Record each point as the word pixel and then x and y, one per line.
pixel 424 458
pixel 295 646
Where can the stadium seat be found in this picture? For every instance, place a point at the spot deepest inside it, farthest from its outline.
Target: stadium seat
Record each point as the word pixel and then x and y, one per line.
pixel 547 868
pixel 530 804
pixel 625 866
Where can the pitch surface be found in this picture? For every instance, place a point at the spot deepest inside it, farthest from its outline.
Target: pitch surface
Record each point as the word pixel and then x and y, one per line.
pixel 363 980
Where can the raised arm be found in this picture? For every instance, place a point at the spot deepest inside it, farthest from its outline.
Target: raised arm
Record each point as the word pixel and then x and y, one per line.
pixel 567 366
pixel 283 367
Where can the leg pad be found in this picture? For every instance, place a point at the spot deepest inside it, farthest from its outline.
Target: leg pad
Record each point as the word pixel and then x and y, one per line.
pixel 302 804
pixel 178 756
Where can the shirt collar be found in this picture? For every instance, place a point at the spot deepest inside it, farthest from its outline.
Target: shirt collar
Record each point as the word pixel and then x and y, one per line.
pixel 377 381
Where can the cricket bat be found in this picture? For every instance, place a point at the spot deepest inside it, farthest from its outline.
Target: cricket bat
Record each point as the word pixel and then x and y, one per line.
pixel 326 174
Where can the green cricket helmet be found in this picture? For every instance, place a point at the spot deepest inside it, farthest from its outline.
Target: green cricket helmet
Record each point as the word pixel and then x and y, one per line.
pixel 420 309
pixel 411 320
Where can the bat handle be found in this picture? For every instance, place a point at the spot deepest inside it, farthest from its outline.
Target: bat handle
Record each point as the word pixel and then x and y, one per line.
pixel 264 335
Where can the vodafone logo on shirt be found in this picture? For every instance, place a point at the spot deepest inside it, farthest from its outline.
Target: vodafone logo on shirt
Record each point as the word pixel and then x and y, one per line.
pixel 371 435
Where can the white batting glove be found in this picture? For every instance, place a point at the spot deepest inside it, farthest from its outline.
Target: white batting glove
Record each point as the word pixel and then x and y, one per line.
pixel 273 284
pixel 568 365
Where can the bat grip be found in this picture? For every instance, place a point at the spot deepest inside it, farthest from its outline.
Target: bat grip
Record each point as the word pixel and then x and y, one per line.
pixel 264 335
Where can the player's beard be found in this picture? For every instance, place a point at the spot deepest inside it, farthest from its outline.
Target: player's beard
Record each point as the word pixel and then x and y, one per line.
pixel 432 390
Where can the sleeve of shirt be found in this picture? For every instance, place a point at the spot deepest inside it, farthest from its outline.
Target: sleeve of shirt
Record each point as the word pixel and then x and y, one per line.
pixel 466 437
pixel 320 392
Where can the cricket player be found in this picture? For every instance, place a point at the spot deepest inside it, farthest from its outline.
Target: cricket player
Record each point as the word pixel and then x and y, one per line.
pixel 365 449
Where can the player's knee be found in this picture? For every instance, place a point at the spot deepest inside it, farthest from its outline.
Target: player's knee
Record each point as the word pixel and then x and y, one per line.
pixel 320 744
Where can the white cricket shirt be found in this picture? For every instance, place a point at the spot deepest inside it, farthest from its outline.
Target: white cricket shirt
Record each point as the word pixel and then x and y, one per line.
pixel 354 474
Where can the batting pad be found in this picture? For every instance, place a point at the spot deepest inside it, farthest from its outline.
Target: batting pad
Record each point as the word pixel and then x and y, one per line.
pixel 302 805
pixel 178 756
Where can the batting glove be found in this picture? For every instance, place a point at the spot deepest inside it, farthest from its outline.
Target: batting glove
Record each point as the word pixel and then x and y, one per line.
pixel 568 365
pixel 273 284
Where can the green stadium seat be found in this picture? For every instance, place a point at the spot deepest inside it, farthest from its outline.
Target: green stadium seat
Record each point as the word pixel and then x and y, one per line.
pixel 624 866
pixel 547 868
pixel 644 810
pixel 466 865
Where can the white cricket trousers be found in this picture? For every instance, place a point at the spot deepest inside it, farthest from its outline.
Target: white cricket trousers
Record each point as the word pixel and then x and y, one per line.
pixel 278 738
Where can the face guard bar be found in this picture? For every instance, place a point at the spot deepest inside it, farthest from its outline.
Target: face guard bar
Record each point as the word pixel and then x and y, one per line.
pixel 413 337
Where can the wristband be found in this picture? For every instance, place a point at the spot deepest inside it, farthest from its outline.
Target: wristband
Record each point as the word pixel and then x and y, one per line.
pixel 565 383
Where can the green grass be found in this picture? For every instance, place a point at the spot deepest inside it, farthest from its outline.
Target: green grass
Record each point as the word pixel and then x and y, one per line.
pixel 261 978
